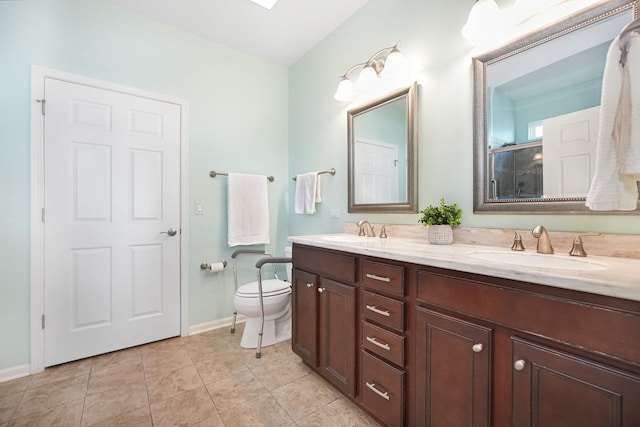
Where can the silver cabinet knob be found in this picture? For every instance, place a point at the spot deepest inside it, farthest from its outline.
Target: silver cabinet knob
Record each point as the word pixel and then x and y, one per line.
pixel 519 365
pixel 170 232
pixel 477 348
pixel 321 290
pixel 309 285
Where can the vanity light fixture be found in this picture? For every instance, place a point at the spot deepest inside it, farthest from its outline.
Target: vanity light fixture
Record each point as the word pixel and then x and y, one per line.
pixel 267 4
pixel 485 22
pixel 385 63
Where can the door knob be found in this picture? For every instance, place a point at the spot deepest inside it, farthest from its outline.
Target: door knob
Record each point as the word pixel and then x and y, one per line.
pixel 477 348
pixel 321 290
pixel 519 365
pixel 170 232
pixel 309 285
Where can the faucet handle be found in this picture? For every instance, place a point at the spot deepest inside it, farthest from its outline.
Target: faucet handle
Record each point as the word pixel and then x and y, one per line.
pixel 517 242
pixel 578 249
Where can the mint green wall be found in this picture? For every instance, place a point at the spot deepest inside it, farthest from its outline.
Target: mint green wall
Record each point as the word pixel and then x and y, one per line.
pixel 245 115
pixel 238 107
pixel 574 98
pixel 502 119
pixel 430 36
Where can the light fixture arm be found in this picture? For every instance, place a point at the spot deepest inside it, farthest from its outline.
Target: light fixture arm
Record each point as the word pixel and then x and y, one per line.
pixel 376 64
pixel 346 75
pixel 371 69
pixel 375 55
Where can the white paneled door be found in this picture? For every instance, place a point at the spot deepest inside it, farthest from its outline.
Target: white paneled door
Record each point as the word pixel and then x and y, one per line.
pixel 569 148
pixel 111 220
pixel 375 172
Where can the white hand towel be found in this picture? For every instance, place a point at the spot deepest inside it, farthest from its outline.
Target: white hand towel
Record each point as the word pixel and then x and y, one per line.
pixel 248 209
pixel 618 153
pixel 307 193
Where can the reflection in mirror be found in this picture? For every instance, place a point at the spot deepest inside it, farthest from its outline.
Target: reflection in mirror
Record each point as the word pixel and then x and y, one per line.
pixel 382 154
pixel 537 113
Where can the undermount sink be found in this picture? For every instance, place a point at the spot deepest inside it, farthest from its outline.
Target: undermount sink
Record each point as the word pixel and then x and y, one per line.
pixel 348 238
pixel 537 260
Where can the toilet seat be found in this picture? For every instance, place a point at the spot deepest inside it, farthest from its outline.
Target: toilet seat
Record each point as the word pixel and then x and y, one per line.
pixel 270 288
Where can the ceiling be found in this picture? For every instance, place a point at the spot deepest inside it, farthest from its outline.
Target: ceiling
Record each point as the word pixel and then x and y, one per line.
pixel 280 35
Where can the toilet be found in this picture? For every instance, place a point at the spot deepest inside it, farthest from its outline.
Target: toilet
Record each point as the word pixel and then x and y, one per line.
pixel 276 295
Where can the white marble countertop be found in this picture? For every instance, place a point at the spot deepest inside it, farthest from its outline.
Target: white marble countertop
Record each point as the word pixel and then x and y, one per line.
pixel 613 276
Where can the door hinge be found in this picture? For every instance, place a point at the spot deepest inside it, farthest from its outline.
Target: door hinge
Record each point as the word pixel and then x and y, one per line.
pixel 42 214
pixel 43 321
pixel 42 104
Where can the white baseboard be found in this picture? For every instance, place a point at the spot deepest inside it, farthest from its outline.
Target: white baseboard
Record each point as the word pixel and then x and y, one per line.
pixel 15 372
pixel 215 324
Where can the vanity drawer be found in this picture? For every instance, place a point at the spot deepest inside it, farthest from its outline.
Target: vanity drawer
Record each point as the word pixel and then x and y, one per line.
pixel 382 390
pixel 383 310
pixel 567 320
pixel 382 342
pixel 329 264
pixel 385 277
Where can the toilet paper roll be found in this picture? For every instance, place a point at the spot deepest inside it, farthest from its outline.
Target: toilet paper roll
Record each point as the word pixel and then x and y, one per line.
pixel 216 267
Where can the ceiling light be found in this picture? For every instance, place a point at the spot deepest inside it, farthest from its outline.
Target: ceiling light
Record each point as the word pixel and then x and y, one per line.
pixel 268 4
pixel 374 67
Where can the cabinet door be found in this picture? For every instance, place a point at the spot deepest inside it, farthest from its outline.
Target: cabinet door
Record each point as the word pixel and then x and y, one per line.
pixel 551 388
pixel 337 331
pixel 453 368
pixel 304 328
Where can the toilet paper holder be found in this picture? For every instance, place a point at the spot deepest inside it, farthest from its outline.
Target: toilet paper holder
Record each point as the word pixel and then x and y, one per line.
pixel 207 266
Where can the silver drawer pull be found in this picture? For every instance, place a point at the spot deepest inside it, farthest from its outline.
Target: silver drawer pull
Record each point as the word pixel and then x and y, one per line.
pixel 378 311
pixel 373 388
pixel 379 278
pixel 379 344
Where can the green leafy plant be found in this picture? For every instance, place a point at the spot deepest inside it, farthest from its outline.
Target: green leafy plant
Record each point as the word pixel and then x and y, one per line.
pixel 442 214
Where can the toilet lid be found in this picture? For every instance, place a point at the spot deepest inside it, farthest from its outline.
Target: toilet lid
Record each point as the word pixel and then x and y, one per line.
pixel 270 287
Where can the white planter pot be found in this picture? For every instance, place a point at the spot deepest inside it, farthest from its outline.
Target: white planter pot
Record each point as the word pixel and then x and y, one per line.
pixel 440 234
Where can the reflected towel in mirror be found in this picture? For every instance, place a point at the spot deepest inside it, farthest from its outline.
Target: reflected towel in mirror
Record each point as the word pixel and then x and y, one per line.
pixel 614 185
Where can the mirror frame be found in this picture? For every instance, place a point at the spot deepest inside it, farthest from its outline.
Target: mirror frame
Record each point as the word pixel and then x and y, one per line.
pixel 481 204
pixel 411 206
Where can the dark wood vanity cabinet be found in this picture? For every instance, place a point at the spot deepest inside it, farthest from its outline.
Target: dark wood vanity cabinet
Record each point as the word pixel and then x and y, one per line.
pixel 383 342
pixel 304 332
pixel 549 357
pixel 551 387
pixel 422 346
pixel 453 371
pixel 324 315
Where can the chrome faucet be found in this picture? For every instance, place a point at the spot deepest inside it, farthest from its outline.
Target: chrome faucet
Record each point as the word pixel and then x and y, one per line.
pixel 544 243
pixel 366 229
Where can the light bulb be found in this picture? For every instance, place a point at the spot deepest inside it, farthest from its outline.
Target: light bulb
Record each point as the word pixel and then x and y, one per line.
pixel 485 22
pixel 346 91
pixel 393 65
pixel 368 77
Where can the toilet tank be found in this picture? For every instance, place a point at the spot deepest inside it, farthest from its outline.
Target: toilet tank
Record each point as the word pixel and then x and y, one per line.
pixel 287 253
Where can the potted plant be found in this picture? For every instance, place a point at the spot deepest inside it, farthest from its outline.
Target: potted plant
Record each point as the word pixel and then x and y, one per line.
pixel 440 220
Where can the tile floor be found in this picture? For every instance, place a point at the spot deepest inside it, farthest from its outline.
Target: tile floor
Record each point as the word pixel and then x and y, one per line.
pixel 204 380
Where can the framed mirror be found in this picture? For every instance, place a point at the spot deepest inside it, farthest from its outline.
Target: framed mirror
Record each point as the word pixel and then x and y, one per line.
pixel 382 147
pixel 536 113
